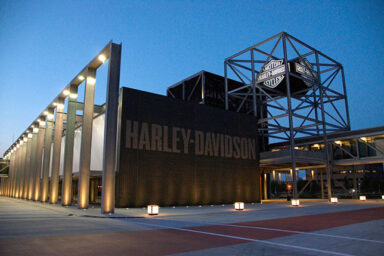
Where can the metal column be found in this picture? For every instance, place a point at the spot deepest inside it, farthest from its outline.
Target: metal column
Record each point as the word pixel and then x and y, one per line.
pixel 32 170
pixel 38 159
pixel 11 173
pixel 22 168
pixel 326 144
pixel 86 139
pixel 54 192
pixel 27 168
pixel 47 155
pixel 18 168
pixel 291 133
pixel 66 195
pixel 110 131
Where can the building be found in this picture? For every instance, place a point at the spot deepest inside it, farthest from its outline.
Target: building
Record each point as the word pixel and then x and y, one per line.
pixel 211 140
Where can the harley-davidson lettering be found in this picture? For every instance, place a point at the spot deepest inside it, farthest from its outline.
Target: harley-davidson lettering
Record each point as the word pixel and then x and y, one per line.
pixel 155 137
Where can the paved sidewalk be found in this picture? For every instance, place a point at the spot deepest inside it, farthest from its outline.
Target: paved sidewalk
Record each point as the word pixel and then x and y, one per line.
pixel 351 227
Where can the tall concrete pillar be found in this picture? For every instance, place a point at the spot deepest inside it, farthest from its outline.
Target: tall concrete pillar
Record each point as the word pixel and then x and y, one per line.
pixel 110 131
pixel 27 168
pixel 86 139
pixel 23 167
pixel 10 174
pixel 66 194
pixel 14 171
pixel 21 170
pixel 38 159
pixel 11 171
pixel 47 155
pixel 17 173
pixel 18 167
pixel 54 192
pixel 31 178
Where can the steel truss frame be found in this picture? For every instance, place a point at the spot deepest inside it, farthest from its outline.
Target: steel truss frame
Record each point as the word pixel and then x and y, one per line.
pixel 285 115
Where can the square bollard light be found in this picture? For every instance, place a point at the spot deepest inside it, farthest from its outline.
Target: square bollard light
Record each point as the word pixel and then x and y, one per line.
pixel 295 202
pixel 239 206
pixel 334 200
pixel 363 198
pixel 153 209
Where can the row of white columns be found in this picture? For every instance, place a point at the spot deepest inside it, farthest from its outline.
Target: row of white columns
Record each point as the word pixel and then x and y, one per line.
pixel 30 159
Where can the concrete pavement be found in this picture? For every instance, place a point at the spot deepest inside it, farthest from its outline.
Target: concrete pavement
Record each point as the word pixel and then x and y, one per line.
pixel 273 228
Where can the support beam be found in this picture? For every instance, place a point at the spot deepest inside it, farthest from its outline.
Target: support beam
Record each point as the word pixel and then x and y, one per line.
pixel 322 184
pixel 18 171
pixel 10 176
pixel 92 190
pixel 12 172
pixel 66 195
pixel 265 190
pixel 47 155
pixel 86 139
pixel 38 159
pixel 326 144
pixel 354 195
pixel 54 190
pixel 110 131
pixel 22 168
pixel 27 168
pixel 32 170
pixel 291 132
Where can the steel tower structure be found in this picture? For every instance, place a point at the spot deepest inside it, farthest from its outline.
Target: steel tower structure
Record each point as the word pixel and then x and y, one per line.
pixel 293 89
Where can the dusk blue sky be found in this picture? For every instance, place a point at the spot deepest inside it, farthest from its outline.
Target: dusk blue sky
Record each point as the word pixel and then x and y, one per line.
pixel 44 44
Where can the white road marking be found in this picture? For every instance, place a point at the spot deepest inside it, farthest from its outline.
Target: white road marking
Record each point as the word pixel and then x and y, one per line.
pixel 301 232
pixel 246 239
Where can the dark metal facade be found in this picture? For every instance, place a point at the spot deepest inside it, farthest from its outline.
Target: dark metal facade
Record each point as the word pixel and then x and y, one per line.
pixel 173 152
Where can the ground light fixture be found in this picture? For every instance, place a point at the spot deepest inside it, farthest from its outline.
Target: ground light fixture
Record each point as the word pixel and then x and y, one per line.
pixel 295 202
pixel 382 197
pixel 334 200
pixel 153 209
pixel 363 198
pixel 239 206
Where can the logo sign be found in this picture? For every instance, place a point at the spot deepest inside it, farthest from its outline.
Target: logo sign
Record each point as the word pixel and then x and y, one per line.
pixel 305 69
pixel 272 73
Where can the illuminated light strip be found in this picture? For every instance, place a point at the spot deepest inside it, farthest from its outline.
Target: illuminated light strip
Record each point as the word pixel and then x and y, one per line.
pixel 246 239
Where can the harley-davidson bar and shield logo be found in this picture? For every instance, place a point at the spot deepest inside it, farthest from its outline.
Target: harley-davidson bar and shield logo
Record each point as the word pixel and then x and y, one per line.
pixel 305 69
pixel 272 74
